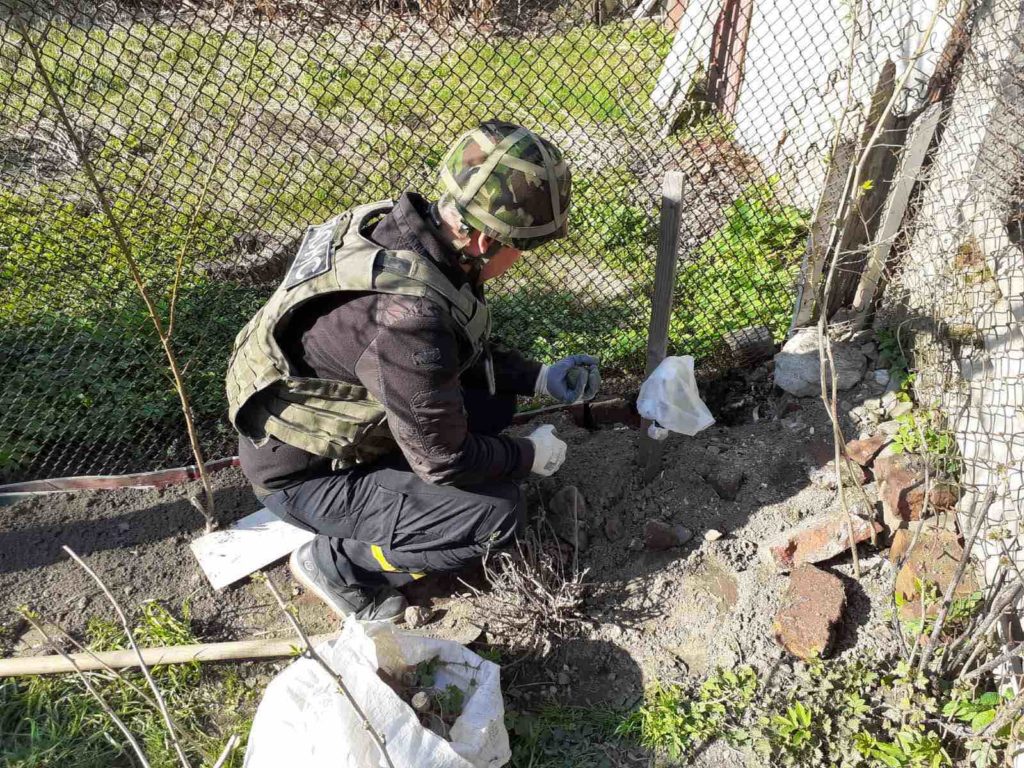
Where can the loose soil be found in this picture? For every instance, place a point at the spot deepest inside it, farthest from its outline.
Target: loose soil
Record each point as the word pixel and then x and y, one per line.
pixel 656 616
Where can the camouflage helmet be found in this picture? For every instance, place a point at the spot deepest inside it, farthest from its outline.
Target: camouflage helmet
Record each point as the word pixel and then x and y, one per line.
pixel 509 183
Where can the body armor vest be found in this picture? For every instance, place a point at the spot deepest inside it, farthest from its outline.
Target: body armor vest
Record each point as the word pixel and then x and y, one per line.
pixel 325 417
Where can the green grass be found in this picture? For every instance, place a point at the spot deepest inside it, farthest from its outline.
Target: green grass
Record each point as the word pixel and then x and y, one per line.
pixel 563 737
pixel 53 720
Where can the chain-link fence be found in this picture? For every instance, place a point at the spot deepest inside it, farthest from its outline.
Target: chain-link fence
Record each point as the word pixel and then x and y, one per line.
pixel 219 131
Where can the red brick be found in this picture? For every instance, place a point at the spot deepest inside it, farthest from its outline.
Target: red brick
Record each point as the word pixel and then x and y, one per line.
pixel 902 490
pixel 811 612
pixel 864 451
pixel 817 539
pixel 934 560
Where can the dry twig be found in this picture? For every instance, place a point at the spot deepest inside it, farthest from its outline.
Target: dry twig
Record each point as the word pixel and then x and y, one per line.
pixel 168 720
pixel 532 599
pixel 91 689
pixel 311 653
pixel 132 263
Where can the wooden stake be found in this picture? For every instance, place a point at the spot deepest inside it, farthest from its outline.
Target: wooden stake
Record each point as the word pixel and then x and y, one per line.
pixel 895 206
pixel 239 650
pixel 650 450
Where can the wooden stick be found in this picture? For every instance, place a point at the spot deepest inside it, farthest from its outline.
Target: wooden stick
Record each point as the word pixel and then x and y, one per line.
pixel 168 720
pixel 134 270
pixel 310 652
pixel 650 450
pixel 237 650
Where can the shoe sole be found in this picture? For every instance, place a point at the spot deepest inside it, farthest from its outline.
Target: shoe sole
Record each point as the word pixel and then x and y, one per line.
pixel 305 581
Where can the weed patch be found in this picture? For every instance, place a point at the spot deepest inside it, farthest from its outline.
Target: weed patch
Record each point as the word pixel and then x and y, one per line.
pixel 873 713
pixel 54 721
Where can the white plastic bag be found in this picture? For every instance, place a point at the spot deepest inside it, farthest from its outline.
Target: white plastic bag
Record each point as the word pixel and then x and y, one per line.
pixel 670 399
pixel 304 721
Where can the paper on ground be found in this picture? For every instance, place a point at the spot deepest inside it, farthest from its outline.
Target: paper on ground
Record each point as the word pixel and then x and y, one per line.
pixel 253 542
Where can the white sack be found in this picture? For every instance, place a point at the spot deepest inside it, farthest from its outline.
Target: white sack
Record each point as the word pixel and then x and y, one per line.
pixel 304 721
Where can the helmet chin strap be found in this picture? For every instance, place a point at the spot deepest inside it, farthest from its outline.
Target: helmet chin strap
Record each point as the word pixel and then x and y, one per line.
pixel 475 262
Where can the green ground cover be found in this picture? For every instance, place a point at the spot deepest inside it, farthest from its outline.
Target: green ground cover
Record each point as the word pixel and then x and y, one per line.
pixel 54 721
pixel 852 713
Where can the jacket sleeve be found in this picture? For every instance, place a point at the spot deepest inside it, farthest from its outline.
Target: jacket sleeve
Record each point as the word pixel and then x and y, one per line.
pixel 412 368
pixel 513 372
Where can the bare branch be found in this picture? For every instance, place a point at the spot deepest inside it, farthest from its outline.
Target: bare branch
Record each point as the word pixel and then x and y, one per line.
pixel 92 690
pixel 132 263
pixel 161 705
pixel 310 652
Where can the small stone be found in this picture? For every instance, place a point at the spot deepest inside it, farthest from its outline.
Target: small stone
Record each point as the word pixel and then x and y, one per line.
pixel 881 377
pixel 889 401
pixel 853 474
pixel 889 428
pixel 563 679
pixel 900 409
pixel 567 515
pixel 810 613
pixel 726 481
pixel 712 535
pixel 864 451
pixel 420 701
pixel 635 545
pixel 417 616
pixel 798 365
pixel 873 404
pixel 869 350
pixel 816 539
pixel 659 535
pixel 613 526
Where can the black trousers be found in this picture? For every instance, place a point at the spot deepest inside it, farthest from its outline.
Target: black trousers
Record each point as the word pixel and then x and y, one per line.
pixel 382 524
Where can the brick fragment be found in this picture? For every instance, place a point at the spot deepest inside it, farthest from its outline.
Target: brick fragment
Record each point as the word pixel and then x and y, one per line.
pixel 864 451
pixel 933 561
pixel 944 523
pixel 902 491
pixel 811 612
pixel 816 539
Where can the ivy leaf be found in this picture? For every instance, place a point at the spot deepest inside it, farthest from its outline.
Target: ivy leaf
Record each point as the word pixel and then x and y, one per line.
pixel 982 719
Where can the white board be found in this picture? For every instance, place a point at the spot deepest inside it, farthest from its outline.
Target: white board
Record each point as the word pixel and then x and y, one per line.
pixel 253 542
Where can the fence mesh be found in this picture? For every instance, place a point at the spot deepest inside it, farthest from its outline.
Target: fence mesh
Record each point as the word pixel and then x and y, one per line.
pixel 218 132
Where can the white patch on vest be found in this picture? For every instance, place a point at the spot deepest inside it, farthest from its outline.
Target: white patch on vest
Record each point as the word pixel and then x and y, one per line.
pixel 314 256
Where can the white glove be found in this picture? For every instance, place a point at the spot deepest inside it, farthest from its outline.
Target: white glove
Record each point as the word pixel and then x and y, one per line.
pixel 548 450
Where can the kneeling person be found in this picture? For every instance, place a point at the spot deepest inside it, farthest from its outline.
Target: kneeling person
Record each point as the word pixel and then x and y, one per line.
pixel 368 398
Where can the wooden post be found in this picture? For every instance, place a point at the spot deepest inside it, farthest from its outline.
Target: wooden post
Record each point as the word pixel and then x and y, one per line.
pixel 895 207
pixel 650 450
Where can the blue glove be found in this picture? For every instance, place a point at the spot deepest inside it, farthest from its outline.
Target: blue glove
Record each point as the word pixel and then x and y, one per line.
pixel 570 380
